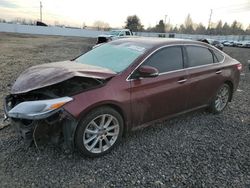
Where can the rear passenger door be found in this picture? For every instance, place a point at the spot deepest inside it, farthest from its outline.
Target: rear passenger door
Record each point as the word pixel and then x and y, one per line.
pixel 204 75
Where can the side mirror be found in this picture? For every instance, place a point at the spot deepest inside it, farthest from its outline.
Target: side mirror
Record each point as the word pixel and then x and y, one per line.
pixel 147 71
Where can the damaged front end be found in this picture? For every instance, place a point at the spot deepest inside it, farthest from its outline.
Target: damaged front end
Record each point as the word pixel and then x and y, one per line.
pixel 38 115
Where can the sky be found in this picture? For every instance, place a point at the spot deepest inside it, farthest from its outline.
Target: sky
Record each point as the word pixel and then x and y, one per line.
pixel 115 12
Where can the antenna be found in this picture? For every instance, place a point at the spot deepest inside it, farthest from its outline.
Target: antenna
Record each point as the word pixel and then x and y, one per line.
pixel 41 15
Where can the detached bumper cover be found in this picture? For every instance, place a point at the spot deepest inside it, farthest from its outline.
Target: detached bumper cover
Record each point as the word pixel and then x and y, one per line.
pixel 32 122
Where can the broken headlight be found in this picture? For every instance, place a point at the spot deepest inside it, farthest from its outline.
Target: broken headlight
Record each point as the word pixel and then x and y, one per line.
pixel 38 109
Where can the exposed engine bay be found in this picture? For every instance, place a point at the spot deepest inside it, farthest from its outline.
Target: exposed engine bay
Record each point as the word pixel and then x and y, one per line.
pixel 36 120
pixel 69 87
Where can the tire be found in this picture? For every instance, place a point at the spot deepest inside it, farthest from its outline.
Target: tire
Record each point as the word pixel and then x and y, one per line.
pixel 221 99
pixel 99 132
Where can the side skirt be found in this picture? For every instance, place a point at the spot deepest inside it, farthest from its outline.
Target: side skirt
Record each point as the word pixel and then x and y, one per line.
pixel 167 117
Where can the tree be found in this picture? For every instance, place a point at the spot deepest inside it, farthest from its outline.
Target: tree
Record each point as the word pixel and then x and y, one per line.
pixel 100 25
pixel 188 24
pixel 182 29
pixel 236 28
pixel 226 29
pixel 174 30
pixel 201 29
pixel 133 23
pixel 2 20
pixel 168 27
pixel 218 28
pixel 160 28
pixel 248 30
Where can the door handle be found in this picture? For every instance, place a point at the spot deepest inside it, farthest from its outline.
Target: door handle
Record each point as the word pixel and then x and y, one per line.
pixel 182 81
pixel 218 72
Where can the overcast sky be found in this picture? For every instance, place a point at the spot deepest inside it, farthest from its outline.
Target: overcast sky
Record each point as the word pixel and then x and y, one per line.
pixel 115 12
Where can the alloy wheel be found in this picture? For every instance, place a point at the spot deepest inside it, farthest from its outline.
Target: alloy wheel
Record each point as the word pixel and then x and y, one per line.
pixel 101 133
pixel 222 98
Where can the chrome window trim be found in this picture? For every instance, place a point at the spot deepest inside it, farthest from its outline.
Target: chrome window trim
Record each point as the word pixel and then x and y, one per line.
pixel 168 72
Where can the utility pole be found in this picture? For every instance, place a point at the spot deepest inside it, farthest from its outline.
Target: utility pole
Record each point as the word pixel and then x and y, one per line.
pixel 210 18
pixel 41 15
pixel 165 22
pixel 165 19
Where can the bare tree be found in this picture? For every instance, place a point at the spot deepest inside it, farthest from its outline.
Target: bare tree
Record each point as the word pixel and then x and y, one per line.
pixel 189 25
pixel 248 30
pixel 2 20
pixel 218 28
pixel 200 29
pixel 100 25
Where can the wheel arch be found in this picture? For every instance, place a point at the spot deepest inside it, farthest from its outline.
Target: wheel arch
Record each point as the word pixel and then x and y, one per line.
pixel 115 106
pixel 122 113
pixel 230 84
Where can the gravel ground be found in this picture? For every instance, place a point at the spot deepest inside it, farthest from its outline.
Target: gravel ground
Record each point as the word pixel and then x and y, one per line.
pixel 194 150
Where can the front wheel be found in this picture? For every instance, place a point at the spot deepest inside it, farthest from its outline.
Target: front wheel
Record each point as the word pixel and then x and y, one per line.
pixel 221 100
pixel 99 132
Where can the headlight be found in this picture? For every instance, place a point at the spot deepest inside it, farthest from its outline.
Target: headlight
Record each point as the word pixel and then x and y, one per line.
pixel 37 109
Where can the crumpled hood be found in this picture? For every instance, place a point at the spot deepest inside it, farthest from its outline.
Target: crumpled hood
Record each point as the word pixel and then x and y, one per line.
pixel 52 73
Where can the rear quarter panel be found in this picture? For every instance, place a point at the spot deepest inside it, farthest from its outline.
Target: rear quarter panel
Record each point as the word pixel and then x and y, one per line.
pixel 231 72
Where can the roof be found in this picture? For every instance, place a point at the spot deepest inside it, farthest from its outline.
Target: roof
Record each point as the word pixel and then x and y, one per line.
pixel 120 30
pixel 151 42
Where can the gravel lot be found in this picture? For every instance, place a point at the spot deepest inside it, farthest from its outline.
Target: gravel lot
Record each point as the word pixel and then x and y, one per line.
pixel 194 150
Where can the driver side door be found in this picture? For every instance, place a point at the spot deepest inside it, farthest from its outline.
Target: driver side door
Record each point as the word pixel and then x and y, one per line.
pixel 155 97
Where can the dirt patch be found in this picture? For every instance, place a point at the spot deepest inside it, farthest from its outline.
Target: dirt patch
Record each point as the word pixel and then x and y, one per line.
pixel 18 52
pixel 193 150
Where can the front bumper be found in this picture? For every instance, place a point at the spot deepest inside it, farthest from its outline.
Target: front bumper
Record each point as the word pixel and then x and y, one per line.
pixel 57 126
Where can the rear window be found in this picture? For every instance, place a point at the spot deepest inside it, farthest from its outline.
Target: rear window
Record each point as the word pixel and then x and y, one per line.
pixel 218 56
pixel 198 56
pixel 112 56
pixel 127 33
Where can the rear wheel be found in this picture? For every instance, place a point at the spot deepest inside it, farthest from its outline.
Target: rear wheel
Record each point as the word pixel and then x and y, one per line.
pixel 221 100
pixel 99 132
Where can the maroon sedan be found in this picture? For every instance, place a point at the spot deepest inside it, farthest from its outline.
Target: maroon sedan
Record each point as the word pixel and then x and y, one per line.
pixel 90 102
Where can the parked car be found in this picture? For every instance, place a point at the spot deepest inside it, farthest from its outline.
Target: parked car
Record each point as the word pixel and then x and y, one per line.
pixel 223 41
pixel 228 43
pixel 113 34
pixel 215 43
pixel 245 44
pixel 237 43
pixel 90 102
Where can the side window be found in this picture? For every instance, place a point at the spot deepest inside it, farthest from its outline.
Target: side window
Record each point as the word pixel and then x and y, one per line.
pixel 198 56
pixel 167 59
pixel 122 33
pixel 218 56
pixel 127 33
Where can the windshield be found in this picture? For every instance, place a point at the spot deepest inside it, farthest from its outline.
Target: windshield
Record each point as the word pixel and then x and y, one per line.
pixel 112 56
pixel 115 33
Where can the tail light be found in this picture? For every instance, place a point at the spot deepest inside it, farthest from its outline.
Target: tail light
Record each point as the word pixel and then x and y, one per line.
pixel 239 66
